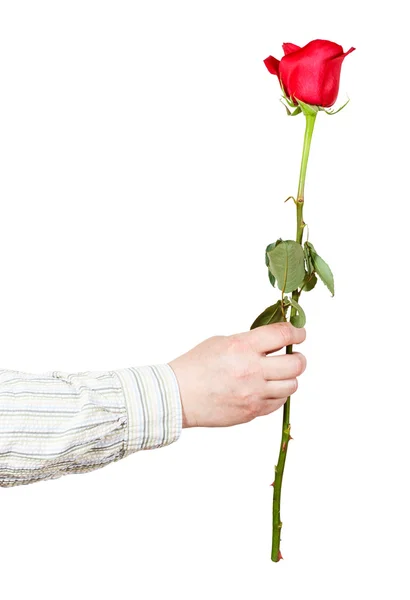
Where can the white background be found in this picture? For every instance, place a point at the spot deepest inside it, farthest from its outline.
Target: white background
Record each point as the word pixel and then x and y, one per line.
pixel 144 160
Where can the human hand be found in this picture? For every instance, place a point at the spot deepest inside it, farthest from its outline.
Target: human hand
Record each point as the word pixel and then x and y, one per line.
pixel 228 380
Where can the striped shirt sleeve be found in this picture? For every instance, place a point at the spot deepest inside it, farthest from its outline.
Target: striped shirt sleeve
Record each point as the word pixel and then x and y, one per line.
pixel 56 423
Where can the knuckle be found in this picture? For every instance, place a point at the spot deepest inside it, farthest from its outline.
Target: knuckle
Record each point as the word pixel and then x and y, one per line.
pixel 252 406
pixel 242 394
pixel 217 339
pixel 280 402
pixel 243 363
pixel 300 361
pixel 236 343
pixel 285 331
pixel 213 345
pixel 242 373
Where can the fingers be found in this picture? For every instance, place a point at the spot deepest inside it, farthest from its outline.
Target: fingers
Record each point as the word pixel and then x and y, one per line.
pixel 269 338
pixel 270 405
pixel 284 366
pixel 279 389
pixel 281 372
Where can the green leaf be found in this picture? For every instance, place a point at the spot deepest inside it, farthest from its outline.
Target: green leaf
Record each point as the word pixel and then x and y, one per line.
pixel 308 259
pixel 299 319
pixel 308 109
pixel 272 279
pixel 271 247
pixel 272 314
pixel 309 282
pixel 286 263
pixel 322 269
pixel 268 248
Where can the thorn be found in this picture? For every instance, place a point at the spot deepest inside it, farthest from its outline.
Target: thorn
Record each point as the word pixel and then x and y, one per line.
pixel 280 557
pixel 290 437
pixel 273 484
pixel 283 446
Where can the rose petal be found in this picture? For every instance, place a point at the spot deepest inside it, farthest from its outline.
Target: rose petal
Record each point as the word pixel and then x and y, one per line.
pixel 272 64
pixel 288 48
pixel 323 49
pixel 312 73
pixel 331 79
pixel 349 51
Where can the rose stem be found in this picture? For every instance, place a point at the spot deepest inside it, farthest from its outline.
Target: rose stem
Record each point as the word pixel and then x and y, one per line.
pixel 277 488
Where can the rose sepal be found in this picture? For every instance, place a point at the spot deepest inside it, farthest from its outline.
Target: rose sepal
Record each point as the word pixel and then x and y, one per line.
pixel 291 113
pixel 310 110
pixel 334 112
pixel 288 100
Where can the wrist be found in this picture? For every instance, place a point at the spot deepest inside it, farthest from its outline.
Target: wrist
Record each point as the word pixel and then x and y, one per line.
pixel 186 421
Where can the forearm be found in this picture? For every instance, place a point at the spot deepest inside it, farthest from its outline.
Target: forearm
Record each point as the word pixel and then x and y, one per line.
pixel 56 423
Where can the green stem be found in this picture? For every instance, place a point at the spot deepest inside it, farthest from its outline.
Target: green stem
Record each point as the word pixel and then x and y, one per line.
pixel 279 469
pixel 310 123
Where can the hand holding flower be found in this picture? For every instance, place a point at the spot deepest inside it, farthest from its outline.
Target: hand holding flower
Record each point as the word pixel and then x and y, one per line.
pixel 309 77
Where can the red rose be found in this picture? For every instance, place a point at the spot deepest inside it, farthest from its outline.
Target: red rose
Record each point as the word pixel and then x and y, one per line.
pixel 310 74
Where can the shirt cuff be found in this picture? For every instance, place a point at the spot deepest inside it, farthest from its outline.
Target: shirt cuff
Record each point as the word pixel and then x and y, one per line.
pixel 153 405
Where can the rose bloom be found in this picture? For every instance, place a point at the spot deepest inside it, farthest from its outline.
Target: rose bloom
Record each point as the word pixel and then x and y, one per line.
pixel 311 73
